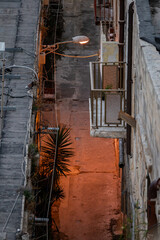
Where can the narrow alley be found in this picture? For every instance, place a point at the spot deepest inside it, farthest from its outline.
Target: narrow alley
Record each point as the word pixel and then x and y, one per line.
pixel 79 121
pixel 92 189
pixel 91 208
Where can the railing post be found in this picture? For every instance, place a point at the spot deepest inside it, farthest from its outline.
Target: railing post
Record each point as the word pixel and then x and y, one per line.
pixel 98 76
pixel 92 106
pixel 94 75
pixel 101 108
pixel 96 110
pixel 91 75
pixel 99 113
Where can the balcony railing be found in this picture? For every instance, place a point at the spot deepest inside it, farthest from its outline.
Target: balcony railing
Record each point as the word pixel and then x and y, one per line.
pixel 103 11
pixel 48 89
pixel 107 94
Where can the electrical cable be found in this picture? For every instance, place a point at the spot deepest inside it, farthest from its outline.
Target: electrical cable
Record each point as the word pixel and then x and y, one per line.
pixel 56 119
pixel 24 96
pixel 51 50
pixel 22 66
pixel 44 235
pixel 55 36
pixel 23 173
pixel 5 225
pixel 28 53
pixel 52 181
pixel 72 56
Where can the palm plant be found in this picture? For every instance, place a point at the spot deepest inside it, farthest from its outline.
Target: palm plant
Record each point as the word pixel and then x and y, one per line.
pixel 56 153
pixel 43 193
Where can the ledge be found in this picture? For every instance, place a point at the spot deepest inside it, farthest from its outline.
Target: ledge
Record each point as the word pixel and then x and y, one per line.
pixel 108 132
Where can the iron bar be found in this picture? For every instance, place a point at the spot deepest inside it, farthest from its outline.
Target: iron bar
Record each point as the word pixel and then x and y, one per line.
pixel 92 108
pixel 109 90
pixel 96 111
pixel 105 106
pixel 101 108
pixel 94 76
pixel 98 105
pixel 99 77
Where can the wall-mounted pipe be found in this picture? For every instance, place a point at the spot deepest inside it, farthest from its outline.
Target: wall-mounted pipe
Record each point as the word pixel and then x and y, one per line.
pixel 129 74
pixel 121 153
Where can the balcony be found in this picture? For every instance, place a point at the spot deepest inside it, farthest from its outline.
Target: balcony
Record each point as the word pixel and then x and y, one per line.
pixel 48 89
pixel 107 99
pixel 103 11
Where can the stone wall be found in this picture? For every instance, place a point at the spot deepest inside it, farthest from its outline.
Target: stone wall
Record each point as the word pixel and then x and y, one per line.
pixel 146 110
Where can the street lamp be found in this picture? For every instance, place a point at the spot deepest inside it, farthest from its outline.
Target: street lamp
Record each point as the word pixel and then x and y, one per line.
pixel 80 39
pixel 52 48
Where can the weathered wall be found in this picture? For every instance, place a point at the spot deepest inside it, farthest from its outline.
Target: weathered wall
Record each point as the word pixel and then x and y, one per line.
pixel 146 110
pixel 18 21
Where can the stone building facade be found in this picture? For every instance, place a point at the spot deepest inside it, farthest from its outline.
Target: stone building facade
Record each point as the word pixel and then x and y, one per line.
pixel 142 164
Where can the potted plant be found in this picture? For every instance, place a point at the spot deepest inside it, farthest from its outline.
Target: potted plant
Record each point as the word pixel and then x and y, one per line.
pixel 109 86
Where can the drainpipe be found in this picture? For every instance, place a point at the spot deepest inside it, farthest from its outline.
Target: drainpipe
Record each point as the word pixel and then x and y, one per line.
pixel 121 41
pixel 129 74
pixel 121 153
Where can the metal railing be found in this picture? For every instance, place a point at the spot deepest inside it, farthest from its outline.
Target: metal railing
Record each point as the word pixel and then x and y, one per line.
pixel 48 89
pixel 103 11
pixel 107 94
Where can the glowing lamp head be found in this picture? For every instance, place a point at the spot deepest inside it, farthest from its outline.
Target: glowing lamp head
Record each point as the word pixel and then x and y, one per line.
pixel 80 39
